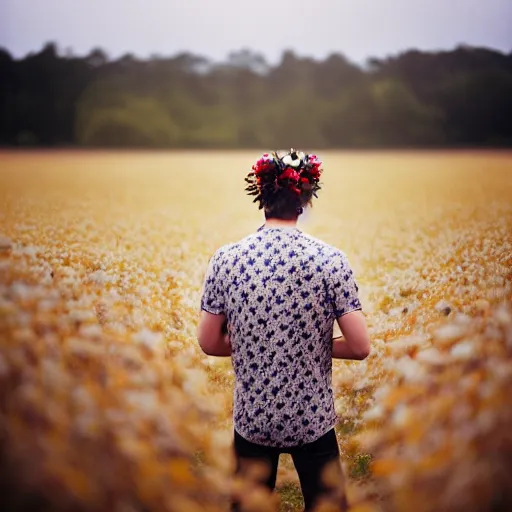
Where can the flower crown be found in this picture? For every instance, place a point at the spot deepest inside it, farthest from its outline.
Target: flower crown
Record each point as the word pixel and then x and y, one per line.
pixel 294 171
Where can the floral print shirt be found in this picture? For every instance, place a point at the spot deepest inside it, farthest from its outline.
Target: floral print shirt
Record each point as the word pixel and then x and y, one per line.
pixel 281 291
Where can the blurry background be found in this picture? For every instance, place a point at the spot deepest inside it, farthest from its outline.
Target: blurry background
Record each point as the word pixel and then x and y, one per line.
pixel 229 74
pixel 107 403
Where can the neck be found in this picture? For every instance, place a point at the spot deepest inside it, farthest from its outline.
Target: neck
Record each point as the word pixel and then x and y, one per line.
pixel 280 223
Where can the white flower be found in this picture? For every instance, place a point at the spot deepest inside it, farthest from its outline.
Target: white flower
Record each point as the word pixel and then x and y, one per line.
pixel 294 159
pixel 287 160
pixel 147 338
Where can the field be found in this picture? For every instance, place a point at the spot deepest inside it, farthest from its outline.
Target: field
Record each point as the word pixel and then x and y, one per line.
pixel 106 400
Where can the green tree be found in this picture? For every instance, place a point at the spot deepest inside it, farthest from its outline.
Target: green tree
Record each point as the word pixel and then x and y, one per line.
pixel 112 118
pixel 414 99
pixel 401 119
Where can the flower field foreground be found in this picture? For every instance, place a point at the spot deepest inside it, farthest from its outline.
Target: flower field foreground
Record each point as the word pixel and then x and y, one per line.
pixel 108 403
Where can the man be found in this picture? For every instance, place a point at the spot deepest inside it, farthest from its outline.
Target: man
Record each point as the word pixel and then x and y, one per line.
pixel 279 292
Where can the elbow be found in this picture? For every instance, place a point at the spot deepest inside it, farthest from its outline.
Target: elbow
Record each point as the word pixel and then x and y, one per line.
pixel 363 352
pixel 205 346
pixel 213 348
pixel 206 351
pixel 209 352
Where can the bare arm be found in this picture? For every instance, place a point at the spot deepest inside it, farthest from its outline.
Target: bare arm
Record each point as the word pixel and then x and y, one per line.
pixel 355 343
pixel 213 340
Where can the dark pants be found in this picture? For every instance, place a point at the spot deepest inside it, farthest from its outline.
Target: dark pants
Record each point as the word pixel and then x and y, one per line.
pixel 318 466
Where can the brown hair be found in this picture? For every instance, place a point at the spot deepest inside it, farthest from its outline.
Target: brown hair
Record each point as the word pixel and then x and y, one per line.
pixel 286 204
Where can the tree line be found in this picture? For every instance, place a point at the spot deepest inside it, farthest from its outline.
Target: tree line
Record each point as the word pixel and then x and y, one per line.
pixel 456 98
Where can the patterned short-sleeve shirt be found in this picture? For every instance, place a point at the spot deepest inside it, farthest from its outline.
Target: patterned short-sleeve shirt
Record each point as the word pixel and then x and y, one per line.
pixel 281 291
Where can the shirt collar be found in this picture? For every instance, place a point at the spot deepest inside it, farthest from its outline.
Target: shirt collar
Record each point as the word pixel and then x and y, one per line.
pixel 279 228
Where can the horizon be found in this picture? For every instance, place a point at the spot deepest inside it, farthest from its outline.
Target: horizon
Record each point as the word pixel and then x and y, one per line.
pixel 359 31
pixel 64 51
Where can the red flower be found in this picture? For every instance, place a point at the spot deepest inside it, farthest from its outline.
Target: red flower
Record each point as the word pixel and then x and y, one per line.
pixel 304 180
pixel 262 166
pixel 315 170
pixel 290 174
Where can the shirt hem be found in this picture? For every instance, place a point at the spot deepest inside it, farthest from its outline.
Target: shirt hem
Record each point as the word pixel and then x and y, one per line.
pixel 347 312
pixel 212 311
pixel 243 434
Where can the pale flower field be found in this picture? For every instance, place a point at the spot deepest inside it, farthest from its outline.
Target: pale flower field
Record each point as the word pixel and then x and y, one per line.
pixel 107 402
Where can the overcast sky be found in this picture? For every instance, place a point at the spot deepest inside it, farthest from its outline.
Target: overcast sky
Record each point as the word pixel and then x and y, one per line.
pixel 357 28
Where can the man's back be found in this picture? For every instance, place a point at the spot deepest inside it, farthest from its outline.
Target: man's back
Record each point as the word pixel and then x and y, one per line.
pixel 281 291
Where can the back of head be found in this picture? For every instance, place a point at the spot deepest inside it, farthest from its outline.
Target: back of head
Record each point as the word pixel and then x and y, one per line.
pixel 284 183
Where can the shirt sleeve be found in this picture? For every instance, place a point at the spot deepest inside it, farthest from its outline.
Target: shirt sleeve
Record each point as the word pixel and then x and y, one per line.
pixel 212 299
pixel 343 287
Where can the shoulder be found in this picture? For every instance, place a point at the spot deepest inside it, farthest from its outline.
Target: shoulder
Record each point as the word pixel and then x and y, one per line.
pixel 225 254
pixel 334 260
pixel 222 254
pixel 329 251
